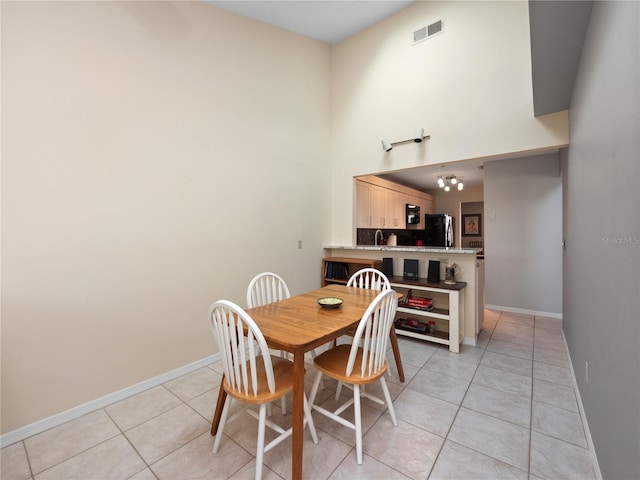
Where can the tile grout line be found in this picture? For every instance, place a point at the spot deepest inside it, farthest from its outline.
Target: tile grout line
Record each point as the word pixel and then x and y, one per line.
pixel 132 445
pixel 75 454
pixel 533 357
pixel 402 388
pixel 26 454
pixel 446 437
pixel 485 414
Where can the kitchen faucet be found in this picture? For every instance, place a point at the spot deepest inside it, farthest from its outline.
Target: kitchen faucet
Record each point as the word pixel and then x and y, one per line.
pixel 375 238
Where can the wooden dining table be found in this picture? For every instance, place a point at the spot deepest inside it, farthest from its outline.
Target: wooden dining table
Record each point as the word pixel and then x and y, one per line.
pixel 298 325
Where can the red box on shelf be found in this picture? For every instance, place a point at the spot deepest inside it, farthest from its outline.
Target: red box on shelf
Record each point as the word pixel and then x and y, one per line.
pixel 419 302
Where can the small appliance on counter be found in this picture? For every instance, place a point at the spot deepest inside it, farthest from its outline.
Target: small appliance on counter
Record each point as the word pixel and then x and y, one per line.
pixel 438 230
pixel 392 240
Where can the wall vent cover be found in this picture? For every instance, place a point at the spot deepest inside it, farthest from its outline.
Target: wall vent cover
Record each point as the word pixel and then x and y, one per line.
pixel 420 35
pixel 431 30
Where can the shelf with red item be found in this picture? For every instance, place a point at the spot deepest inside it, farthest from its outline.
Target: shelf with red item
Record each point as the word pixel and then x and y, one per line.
pixel 426 321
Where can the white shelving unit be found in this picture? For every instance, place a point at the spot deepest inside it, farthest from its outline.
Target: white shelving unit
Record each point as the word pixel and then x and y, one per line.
pixel 448 310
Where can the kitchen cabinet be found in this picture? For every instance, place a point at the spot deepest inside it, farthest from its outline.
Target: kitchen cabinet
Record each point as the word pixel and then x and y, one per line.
pixel 386 208
pixel 377 207
pixel 412 199
pixel 394 210
pixel 363 205
pixel 382 207
pixel 429 206
pixel 420 202
pixel 370 205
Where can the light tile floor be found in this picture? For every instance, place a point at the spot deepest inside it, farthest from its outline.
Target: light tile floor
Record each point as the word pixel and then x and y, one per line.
pixel 503 409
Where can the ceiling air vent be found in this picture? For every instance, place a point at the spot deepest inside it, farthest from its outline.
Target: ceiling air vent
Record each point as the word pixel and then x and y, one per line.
pixel 429 31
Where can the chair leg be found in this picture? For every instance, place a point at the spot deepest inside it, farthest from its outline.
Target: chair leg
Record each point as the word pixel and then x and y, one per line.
pixel 314 389
pixel 283 405
pixel 338 390
pixel 396 353
pixel 312 426
pixel 358 421
pixel 387 397
pixel 222 397
pixel 223 420
pixel 314 355
pixel 260 447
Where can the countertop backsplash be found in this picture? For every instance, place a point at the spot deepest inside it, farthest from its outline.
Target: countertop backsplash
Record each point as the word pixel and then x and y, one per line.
pixel 366 236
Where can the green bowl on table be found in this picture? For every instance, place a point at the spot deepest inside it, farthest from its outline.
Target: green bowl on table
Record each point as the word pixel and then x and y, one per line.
pixel 330 302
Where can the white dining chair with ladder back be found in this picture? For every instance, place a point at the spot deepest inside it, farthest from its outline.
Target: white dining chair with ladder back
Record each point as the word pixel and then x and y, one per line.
pixel 265 288
pixel 251 375
pixel 374 279
pixel 360 363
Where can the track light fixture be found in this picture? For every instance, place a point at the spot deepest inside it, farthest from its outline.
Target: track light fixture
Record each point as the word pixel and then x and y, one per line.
pixel 449 180
pixel 418 138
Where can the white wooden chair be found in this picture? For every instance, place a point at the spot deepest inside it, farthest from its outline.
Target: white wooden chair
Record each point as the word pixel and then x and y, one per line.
pixel 376 280
pixel 370 278
pixel 360 363
pixel 251 374
pixel 266 288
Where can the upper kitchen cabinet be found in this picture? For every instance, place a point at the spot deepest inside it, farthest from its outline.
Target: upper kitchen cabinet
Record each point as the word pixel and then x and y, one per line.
pixel 370 205
pixel 430 206
pixel 394 209
pixel 419 202
pixel 382 204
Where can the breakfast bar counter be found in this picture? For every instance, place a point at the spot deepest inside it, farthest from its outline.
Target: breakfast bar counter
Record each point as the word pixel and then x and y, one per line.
pixel 408 248
pixel 467 271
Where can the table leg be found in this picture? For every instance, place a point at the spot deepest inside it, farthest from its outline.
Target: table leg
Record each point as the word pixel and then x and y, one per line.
pixel 222 396
pixel 297 415
pixel 396 353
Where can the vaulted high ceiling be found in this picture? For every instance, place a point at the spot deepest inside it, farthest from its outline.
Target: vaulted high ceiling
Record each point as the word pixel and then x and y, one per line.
pixel 557 30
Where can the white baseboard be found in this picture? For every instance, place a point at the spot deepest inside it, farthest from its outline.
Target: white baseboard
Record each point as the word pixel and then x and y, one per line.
pixel 524 311
pixel 587 432
pixel 27 431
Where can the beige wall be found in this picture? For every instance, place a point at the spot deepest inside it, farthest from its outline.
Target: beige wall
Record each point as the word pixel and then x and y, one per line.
pixel 469 88
pixel 155 156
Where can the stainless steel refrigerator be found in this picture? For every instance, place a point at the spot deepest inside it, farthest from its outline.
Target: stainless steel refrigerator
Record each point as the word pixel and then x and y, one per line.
pixel 438 229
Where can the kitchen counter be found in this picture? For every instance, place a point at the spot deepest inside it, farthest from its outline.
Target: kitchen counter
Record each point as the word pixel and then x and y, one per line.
pixel 407 248
pixel 464 258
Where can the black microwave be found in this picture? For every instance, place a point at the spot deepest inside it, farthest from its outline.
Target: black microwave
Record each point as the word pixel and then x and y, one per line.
pixel 413 214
